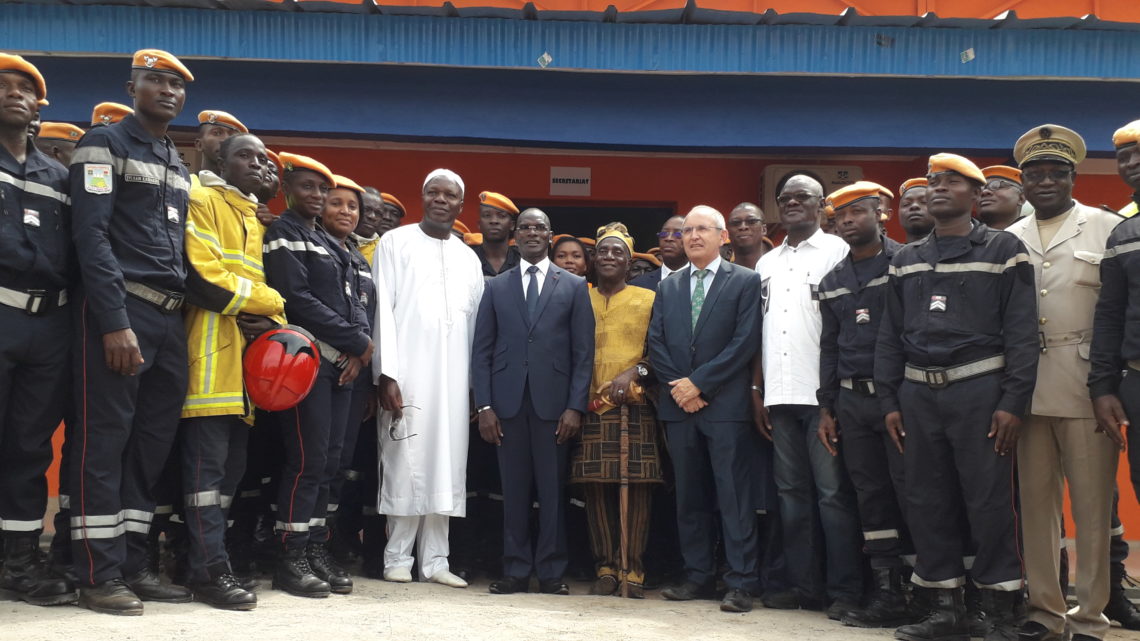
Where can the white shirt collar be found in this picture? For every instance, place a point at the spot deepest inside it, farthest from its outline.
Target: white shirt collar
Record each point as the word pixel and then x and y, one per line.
pixel 812 240
pixel 543 265
pixel 713 267
pixel 665 271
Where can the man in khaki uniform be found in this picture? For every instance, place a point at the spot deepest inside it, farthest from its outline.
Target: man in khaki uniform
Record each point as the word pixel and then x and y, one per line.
pixel 1059 440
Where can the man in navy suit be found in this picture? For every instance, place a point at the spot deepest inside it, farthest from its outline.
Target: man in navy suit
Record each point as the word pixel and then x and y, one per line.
pixel 535 313
pixel 702 339
pixel 671 253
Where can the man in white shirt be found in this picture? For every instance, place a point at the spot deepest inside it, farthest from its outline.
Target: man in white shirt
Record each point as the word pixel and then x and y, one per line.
pixel 790 275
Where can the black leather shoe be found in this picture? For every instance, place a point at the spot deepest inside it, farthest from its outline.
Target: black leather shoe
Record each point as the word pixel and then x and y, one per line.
pixel 553 586
pixel 510 585
pixel 224 593
pixel 688 591
pixel 328 570
pixel 841 607
pixel 783 600
pixel 1034 631
pixel 1121 610
pixel 736 601
pixel 24 574
pixel 148 587
pixel 294 576
pixel 110 597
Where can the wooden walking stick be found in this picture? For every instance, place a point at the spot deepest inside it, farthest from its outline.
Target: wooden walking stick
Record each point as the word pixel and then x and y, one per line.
pixel 623 499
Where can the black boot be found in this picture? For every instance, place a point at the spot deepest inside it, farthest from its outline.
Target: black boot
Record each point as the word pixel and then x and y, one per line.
pixel 24 575
pixel 327 569
pixel 1003 614
pixel 149 587
pixel 110 597
pixel 373 540
pixel 1121 610
pixel 294 576
pixel 946 621
pixel 224 592
pixel 975 614
pixel 886 607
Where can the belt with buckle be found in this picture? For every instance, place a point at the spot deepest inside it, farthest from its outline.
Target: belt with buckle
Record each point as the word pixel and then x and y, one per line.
pixel 168 302
pixel 864 386
pixel 1045 341
pixel 333 355
pixel 939 377
pixel 33 301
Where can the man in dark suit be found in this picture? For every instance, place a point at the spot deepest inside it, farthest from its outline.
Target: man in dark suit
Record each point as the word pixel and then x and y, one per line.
pixel 533 313
pixel 702 339
pixel 671 253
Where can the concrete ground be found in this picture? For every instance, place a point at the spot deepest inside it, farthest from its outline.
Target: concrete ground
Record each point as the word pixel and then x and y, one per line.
pixel 379 610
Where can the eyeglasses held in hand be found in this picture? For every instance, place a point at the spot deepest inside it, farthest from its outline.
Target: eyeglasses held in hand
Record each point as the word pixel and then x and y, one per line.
pixel 396 422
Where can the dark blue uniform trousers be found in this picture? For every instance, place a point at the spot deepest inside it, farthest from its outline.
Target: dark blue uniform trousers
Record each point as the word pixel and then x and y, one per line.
pixel 949 459
pixel 876 469
pixel 313 435
pixel 530 455
pixel 212 450
pixel 34 377
pixel 714 463
pixel 126 426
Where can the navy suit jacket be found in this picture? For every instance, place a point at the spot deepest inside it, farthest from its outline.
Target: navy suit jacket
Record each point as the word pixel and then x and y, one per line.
pixel 555 354
pixel 649 280
pixel 717 354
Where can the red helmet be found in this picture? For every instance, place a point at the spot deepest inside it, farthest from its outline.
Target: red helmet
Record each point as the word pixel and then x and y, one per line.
pixel 280 367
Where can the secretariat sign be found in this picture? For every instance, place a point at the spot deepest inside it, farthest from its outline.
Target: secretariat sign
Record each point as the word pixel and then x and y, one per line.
pixel 569 181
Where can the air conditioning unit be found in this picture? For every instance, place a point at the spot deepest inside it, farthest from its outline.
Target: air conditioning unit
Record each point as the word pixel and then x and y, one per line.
pixel 831 176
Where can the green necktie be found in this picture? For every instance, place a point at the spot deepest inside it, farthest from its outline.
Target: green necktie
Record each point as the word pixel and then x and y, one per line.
pixel 698 294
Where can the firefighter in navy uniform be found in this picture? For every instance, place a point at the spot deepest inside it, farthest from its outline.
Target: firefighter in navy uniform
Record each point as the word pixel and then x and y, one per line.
pixel 36 269
pixel 954 369
pixel 851 300
pixel 315 275
pixel 1120 608
pixel 130 194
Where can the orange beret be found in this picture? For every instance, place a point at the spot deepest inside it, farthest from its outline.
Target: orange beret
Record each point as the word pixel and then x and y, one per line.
pixel 1127 135
pixel 459 226
pixel 941 163
pixel 275 159
pixel 214 117
pixel 648 257
pixel 60 131
pixel 498 201
pixel 1012 174
pixel 293 162
pixel 10 63
pixel 588 241
pixel 344 182
pixel 107 113
pixel 853 193
pixel 159 60
pixel 555 239
pixel 654 251
pixel 911 184
pixel 474 238
pixel 392 200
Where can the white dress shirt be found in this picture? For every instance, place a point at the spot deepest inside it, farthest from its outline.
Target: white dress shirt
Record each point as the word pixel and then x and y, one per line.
pixel 711 267
pixel 543 269
pixel 792 324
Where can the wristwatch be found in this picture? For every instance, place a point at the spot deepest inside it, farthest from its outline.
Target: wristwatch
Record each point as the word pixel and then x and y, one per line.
pixel 642 371
pixel 482 409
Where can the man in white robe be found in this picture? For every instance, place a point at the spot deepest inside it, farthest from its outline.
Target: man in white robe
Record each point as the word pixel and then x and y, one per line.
pixel 429 285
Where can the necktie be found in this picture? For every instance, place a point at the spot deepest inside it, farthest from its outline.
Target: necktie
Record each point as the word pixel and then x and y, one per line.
pixel 698 294
pixel 532 291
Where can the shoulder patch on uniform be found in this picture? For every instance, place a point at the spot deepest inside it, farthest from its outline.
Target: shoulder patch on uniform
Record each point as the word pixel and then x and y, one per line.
pixel 97 178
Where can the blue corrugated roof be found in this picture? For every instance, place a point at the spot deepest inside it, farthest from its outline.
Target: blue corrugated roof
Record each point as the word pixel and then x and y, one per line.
pixel 777 44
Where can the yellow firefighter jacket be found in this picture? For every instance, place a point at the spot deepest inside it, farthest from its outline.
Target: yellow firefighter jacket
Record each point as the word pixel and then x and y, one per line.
pixel 223 248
